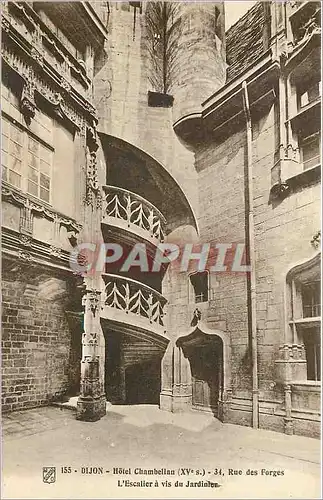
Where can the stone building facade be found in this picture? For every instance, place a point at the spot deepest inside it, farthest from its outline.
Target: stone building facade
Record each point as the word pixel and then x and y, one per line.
pixel 144 123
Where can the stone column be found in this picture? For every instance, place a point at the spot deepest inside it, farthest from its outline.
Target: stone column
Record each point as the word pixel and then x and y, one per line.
pixel 91 405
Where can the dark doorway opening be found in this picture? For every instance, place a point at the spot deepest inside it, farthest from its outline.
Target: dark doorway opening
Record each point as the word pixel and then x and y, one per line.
pixel 132 369
pixel 143 382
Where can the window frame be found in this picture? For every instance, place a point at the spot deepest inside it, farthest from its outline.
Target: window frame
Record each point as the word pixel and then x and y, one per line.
pixel 305 90
pixel 27 135
pixel 305 328
pixel 303 140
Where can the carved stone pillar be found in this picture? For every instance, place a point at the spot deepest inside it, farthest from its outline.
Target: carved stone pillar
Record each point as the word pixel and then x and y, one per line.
pixel 91 405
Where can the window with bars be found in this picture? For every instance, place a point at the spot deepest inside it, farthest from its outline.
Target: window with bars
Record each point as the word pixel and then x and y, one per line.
pixel 26 161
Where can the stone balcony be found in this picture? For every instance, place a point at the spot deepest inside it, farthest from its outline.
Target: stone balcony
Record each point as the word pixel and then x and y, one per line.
pixel 127 211
pixel 133 305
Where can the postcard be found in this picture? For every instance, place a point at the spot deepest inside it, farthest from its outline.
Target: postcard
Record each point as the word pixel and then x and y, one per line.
pixel 161 250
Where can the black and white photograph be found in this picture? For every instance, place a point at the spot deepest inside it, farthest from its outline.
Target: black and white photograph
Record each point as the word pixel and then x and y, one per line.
pixel 161 250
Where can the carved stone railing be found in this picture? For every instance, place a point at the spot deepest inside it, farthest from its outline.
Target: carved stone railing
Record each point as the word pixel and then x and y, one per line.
pixel 139 303
pixel 134 212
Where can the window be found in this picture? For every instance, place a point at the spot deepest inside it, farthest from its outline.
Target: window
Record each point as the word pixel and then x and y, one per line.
pixel 310 147
pixel 311 299
pixel 26 162
pixel 305 311
pixel 312 92
pixel 312 343
pixel 200 282
pixel 311 305
pixel 12 153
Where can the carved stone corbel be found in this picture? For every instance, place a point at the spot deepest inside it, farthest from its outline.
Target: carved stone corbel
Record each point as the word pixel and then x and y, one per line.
pixel 93 193
pixel 27 102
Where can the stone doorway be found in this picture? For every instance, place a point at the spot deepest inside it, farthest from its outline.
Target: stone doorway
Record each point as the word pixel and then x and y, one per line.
pixel 132 369
pixel 205 355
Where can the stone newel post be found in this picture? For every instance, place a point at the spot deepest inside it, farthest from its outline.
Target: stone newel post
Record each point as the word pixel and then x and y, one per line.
pixel 91 404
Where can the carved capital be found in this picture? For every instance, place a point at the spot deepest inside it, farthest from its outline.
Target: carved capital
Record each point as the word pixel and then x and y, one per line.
pixel 36 55
pixel 65 85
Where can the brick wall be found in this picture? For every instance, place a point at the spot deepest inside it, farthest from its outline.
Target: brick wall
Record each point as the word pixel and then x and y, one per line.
pixel 35 343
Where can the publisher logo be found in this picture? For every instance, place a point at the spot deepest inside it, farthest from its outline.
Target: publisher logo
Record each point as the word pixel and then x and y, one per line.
pixel 49 475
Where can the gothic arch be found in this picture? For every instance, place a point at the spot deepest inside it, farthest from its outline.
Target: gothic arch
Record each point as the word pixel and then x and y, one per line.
pixel 199 336
pixel 203 329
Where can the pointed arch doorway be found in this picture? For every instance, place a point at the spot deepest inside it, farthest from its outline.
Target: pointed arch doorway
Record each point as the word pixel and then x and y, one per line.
pixel 208 355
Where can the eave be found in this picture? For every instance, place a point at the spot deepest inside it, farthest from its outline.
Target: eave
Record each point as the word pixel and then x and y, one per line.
pixel 227 103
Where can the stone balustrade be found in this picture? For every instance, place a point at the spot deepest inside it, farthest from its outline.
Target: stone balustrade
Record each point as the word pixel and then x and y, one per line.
pixel 133 212
pixel 138 303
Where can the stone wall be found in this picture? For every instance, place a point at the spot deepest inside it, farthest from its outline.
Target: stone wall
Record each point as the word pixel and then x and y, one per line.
pixel 36 341
pixel 121 88
pixel 283 231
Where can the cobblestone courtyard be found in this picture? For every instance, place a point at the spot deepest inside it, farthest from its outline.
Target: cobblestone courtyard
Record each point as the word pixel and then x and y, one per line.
pixel 145 437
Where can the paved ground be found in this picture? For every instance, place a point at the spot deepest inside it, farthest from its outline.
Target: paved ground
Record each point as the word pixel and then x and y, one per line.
pixel 147 438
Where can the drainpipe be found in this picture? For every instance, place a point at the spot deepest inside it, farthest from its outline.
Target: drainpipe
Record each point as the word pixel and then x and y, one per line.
pixel 251 249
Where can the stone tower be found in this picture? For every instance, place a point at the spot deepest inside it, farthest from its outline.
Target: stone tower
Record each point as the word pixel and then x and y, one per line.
pixel 200 65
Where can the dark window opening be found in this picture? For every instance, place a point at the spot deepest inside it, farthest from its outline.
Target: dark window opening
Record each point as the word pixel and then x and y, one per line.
pixel 311 299
pixel 199 282
pixel 309 94
pixel 312 344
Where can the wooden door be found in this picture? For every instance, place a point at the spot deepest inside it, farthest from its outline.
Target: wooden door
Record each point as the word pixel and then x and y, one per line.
pixel 205 380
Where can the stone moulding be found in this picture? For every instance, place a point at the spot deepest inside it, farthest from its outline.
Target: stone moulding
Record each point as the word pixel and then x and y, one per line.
pixel 31 206
pixel 65 100
pixel 33 252
pixel 39 31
